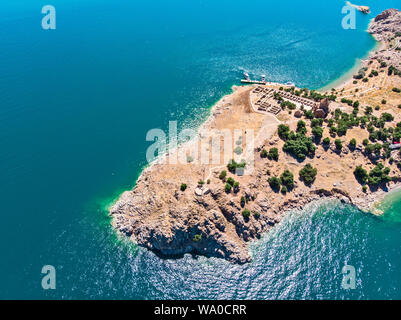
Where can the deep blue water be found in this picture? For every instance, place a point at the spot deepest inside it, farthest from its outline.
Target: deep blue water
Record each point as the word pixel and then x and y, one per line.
pixel 75 106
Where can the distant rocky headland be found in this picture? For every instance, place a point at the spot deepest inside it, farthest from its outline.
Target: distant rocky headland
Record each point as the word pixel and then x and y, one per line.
pixel 363 9
pixel 308 145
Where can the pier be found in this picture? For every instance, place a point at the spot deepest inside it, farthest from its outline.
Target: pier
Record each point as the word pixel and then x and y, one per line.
pixel 249 81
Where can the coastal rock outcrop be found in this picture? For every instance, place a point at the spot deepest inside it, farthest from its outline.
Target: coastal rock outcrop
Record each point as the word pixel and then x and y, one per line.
pixel 207 223
pixel 386 24
pixel 383 28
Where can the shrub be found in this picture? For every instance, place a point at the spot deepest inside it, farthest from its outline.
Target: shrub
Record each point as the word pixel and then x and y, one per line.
pixel 352 143
pixel 347 101
pixel 316 122
pixel 274 183
pixel 288 104
pixel 365 189
pixel 208 181
pixel 287 179
pixel 228 188
pixel 393 70
pixel 369 149
pixel 387 117
pixel 238 150
pixel 301 127
pixel 342 127
pixel 256 214
pixel 309 114
pixel 264 153
pixel 284 190
pixel 361 174
pixel 183 187
pixel 230 181
pixel 397 90
pixel 377 149
pixel 374 73
pixel 365 142
pixel 308 174
pixel 246 213
pixel 273 154
pixel 236 186
pixel 201 182
pixel 223 175
pixel 243 201
pixel 326 141
pixel 317 133
pixel 339 144
pixel 360 74
pixel 283 131
pixel 233 166
pixel 384 101
pixel 197 238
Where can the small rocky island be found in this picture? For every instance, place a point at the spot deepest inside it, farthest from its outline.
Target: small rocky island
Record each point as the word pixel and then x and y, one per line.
pixel 341 144
pixel 363 9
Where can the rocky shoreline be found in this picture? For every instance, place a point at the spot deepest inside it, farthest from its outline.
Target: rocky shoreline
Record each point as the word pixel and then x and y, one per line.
pixel 204 219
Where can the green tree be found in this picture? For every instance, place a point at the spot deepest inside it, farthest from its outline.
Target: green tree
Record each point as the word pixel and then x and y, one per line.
pixel 273 154
pixel 299 146
pixel 339 144
pixel 361 174
pixel 274 183
pixel 231 181
pixel 317 133
pixel 233 166
pixel 287 179
pixel 283 131
pixel 264 153
pixel 352 143
pixel 387 117
pixel 326 141
pixel 369 149
pixel 243 201
pixel 236 187
pixel 378 175
pixel 246 213
pixel 377 149
pixel 308 174
pixel 301 127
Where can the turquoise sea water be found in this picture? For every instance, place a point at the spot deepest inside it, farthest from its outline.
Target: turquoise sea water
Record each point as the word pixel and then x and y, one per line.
pixel 75 106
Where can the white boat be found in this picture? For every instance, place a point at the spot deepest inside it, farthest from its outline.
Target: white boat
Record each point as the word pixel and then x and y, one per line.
pixel 246 75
